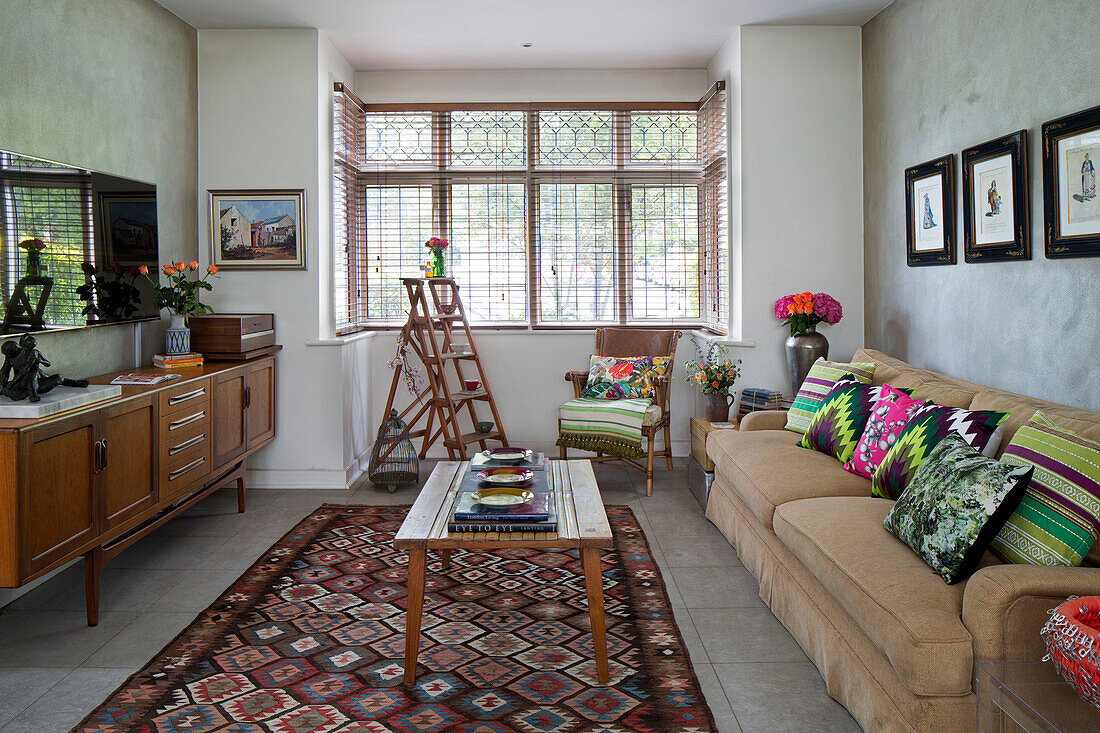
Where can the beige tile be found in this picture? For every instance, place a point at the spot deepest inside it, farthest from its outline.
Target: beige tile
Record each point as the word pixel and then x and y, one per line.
pixel 730 587
pixel 120 589
pixel 167 552
pixel 67 702
pixel 196 590
pixel 744 635
pixel 140 640
pixel 709 550
pixel 54 638
pixel 774 696
pixel 21 686
pixel 239 552
pixel 713 693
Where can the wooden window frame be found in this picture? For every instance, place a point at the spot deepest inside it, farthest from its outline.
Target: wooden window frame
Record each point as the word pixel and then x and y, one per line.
pixel 622 174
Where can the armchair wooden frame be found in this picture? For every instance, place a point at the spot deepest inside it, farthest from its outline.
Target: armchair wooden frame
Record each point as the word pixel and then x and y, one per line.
pixel 624 342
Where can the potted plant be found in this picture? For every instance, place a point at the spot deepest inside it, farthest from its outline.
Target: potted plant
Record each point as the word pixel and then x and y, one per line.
pixel 802 312
pixel 181 298
pixel 714 376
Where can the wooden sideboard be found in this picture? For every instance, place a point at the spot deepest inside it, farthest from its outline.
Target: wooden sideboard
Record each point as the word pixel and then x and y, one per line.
pixel 95 480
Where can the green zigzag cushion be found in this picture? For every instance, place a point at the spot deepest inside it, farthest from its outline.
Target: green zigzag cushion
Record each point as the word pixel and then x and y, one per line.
pixel 839 422
pixel 925 430
pixel 1059 518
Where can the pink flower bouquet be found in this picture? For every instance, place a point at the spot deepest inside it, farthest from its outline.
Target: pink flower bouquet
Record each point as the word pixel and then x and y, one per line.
pixel 802 311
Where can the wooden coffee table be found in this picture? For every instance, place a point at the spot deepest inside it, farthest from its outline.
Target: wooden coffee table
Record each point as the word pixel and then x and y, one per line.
pixel 582 525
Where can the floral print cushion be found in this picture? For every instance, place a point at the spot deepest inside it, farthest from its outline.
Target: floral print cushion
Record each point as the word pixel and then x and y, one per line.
pixel 888 417
pixel 616 378
pixel 956 503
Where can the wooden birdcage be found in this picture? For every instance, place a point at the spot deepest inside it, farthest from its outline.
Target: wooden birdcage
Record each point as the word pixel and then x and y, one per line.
pixel 393 460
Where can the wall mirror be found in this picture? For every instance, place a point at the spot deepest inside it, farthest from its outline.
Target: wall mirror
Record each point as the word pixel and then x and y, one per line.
pixel 72 241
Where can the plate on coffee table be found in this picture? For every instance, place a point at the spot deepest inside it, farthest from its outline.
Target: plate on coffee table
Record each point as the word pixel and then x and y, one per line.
pixel 508 455
pixel 505 476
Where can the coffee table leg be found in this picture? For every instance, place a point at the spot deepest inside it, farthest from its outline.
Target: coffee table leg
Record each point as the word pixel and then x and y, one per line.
pixel 593 583
pixel 445 559
pixel 413 612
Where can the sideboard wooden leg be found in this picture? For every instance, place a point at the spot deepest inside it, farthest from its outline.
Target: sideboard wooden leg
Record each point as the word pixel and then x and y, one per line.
pixel 93 572
pixel 240 493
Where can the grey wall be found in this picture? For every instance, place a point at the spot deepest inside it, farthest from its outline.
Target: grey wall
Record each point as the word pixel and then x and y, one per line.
pixel 940 76
pixel 109 85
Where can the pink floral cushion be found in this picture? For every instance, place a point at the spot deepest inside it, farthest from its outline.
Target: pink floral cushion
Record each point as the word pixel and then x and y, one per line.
pixel 888 417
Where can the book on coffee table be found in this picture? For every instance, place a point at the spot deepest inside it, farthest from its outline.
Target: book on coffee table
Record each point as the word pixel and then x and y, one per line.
pixel 536 515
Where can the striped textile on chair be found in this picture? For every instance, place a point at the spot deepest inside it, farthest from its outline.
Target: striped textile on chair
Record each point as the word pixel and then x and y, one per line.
pixel 607 426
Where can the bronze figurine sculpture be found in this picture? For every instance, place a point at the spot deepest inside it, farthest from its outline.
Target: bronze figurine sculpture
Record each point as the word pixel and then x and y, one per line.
pixel 21 376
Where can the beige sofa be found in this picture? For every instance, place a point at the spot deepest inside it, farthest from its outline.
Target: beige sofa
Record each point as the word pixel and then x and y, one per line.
pixel 895 644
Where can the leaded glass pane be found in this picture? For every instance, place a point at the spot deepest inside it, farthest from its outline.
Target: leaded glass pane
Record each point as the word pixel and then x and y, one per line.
pixel 576 252
pixel 398 137
pixel 575 138
pixel 664 138
pixel 488 138
pixel 664 252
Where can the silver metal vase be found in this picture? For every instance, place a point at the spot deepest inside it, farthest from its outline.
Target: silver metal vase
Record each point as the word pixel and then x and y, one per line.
pixel 803 349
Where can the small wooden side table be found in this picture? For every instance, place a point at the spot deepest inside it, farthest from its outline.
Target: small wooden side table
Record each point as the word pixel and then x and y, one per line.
pixel 701 468
pixel 582 526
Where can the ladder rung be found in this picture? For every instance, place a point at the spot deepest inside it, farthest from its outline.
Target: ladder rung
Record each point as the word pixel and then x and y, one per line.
pixel 417 433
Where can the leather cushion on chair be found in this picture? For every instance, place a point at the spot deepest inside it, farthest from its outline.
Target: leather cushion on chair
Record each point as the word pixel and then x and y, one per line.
pixel 767 468
pixel 633 342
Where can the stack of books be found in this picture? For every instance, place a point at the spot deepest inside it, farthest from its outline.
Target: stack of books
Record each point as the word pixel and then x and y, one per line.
pixel 535 515
pixel 759 398
pixel 177 361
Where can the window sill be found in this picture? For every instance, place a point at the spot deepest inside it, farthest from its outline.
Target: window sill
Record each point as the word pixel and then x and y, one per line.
pixel 724 340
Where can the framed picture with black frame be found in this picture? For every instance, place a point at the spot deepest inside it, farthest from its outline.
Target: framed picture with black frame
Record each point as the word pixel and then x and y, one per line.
pixel 930 213
pixel 995 200
pixel 1071 207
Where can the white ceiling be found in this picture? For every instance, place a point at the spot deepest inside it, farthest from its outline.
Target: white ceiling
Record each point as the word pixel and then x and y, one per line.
pixel 487 34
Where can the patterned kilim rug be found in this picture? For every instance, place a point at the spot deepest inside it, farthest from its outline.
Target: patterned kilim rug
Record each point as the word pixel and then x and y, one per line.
pixel 311 640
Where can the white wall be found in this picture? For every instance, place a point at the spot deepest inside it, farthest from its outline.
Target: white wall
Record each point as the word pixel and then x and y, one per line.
pixel 796 219
pixel 280 137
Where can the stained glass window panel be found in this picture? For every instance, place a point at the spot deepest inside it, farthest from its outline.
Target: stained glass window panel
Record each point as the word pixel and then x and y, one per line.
pixel 488 138
pixel 575 138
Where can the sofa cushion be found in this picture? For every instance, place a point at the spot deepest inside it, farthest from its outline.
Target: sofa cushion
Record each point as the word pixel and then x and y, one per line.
pixel 767 468
pixel 819 381
pixel 842 417
pixel 1058 520
pixel 955 505
pixel 876 578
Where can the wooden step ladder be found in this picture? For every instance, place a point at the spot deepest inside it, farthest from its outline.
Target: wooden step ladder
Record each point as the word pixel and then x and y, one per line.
pixel 429 333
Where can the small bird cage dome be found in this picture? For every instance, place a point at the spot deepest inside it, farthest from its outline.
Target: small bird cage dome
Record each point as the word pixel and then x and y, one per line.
pixel 393 460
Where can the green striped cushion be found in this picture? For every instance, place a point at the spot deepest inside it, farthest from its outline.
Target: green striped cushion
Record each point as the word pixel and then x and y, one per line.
pixel 819 382
pixel 1059 518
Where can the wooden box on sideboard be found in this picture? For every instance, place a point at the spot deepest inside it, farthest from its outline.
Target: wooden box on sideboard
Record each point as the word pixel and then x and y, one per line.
pixel 231 335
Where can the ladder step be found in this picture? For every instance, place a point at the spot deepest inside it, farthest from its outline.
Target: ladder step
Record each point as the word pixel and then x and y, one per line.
pixel 460 398
pixel 452 355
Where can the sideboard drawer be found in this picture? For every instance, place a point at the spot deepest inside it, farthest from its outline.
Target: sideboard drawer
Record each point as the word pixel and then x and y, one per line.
pixel 174 444
pixel 185 422
pixel 185 397
pixel 185 469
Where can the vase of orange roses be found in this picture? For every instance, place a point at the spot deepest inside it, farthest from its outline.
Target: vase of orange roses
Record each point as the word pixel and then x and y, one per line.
pixel 802 312
pixel 180 296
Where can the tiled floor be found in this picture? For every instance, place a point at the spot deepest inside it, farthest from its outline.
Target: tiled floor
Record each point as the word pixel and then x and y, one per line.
pixel 54 669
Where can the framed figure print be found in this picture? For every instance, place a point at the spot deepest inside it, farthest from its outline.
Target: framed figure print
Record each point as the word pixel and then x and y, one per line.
pixel 1071 208
pixel 930 213
pixel 995 200
pixel 258 230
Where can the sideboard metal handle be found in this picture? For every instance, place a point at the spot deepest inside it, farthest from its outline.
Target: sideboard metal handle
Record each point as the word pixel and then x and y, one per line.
pixel 187 420
pixel 187 396
pixel 190 466
pixel 186 444
pixel 103 463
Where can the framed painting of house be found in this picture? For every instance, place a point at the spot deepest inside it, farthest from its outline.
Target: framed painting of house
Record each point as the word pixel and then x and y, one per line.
pixel 258 229
pixel 930 213
pixel 995 200
pixel 1071 207
pixel 129 229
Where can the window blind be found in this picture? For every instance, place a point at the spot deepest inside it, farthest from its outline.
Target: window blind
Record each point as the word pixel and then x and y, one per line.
pixel 46 201
pixel 557 215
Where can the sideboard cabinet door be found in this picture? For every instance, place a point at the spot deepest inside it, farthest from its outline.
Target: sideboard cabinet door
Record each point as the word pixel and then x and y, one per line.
pixel 128 474
pixel 261 402
pixel 59 507
pixel 230 436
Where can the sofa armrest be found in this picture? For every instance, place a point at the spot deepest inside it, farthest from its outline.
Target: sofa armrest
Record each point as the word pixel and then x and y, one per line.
pixel 1005 606
pixel 764 420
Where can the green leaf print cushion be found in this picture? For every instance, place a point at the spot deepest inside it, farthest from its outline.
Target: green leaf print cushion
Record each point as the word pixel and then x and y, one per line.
pixel 956 503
